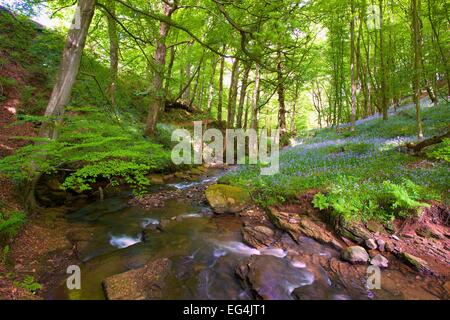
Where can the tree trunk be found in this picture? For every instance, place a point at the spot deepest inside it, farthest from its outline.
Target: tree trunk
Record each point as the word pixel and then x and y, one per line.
pixel 232 96
pixel 113 52
pixel 281 97
pixel 383 93
pixel 352 65
pixel 255 100
pixel 67 74
pixel 70 65
pixel 158 99
pixel 220 99
pixel 211 86
pixel 244 85
pixel 417 58
pixel 169 73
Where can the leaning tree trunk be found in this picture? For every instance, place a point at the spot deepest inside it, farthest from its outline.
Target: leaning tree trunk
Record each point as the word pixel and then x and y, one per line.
pixel 113 52
pixel 158 98
pixel 67 74
pixel 70 64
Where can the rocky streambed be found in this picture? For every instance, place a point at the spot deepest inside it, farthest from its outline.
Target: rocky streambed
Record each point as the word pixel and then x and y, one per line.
pixel 193 239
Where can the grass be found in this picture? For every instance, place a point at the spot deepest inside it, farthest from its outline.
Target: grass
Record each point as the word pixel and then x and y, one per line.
pixel 362 175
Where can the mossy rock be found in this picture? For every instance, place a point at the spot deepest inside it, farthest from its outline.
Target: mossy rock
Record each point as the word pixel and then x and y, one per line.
pixel 415 262
pixel 227 199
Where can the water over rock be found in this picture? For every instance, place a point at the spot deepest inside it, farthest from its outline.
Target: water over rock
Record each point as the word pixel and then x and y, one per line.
pixel 146 283
pixel 272 278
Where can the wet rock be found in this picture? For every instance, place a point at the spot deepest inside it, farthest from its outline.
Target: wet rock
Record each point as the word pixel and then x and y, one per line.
pixel 318 233
pixel 77 235
pixel 353 231
pixel 258 236
pixel 156 178
pixel 146 283
pixel 379 261
pixel 219 283
pixel 315 291
pixel 319 291
pixel 427 232
pixel 371 244
pixel 447 287
pixel 415 262
pixel 389 246
pixel 381 245
pixel 304 225
pixel 227 199
pixel 149 230
pixel 50 193
pixel 355 255
pixel 272 278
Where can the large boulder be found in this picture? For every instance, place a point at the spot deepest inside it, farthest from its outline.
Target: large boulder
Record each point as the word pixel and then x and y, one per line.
pixel 227 199
pixel 146 283
pixel 355 255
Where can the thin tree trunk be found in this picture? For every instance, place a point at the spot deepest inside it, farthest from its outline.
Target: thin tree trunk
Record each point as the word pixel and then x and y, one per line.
pixel 158 98
pixel 220 99
pixel 352 65
pixel 383 93
pixel 247 107
pixel 281 97
pixel 169 73
pixel 244 85
pixel 417 58
pixel 232 95
pixel 211 86
pixel 113 52
pixel 255 100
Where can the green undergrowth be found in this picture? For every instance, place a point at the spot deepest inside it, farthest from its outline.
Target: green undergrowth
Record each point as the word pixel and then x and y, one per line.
pixel 361 176
pixel 92 147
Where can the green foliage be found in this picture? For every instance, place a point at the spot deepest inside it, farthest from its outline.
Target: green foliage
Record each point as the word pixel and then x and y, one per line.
pixel 10 224
pixel 29 283
pixel 361 177
pixel 91 147
pixel 384 201
pixel 441 151
pixel 4 255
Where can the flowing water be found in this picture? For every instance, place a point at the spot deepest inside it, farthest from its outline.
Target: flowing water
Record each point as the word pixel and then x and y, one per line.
pixel 205 250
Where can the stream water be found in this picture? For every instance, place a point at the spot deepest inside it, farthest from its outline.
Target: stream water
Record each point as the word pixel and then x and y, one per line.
pixel 205 250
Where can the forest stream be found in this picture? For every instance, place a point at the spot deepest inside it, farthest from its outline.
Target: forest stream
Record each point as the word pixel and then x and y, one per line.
pixel 205 250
